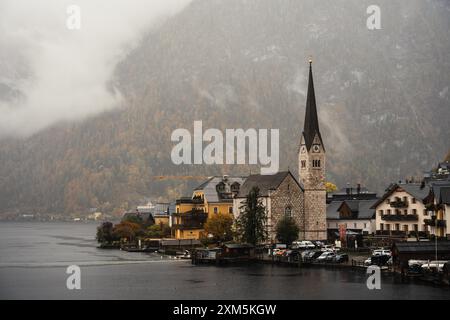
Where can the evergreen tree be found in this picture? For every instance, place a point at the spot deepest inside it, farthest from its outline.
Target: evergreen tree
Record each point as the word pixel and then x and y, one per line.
pixel 251 224
pixel 287 230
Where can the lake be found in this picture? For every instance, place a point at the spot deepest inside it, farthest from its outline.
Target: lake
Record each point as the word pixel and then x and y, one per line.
pixel 34 258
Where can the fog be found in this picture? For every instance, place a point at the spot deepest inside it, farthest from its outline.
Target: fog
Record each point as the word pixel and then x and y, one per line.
pixel 49 73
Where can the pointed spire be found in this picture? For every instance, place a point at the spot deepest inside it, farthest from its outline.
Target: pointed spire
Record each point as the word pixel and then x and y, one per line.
pixel 311 126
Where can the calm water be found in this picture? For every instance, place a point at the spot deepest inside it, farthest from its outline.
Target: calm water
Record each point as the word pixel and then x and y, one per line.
pixel 34 257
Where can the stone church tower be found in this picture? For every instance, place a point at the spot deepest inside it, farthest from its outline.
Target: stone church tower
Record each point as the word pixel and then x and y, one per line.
pixel 312 170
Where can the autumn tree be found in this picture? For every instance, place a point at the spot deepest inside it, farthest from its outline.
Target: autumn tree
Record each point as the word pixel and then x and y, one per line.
pixel 251 224
pixel 127 230
pixel 330 187
pixel 220 227
pixel 287 230
pixel 158 231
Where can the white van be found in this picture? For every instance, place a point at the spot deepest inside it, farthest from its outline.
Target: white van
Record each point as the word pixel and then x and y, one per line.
pixel 303 245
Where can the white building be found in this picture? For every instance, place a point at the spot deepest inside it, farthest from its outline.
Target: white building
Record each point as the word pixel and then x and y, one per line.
pixel 355 216
pixel 401 210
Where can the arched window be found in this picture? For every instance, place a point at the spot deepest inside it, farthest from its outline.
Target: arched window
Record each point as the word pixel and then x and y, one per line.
pixel 288 212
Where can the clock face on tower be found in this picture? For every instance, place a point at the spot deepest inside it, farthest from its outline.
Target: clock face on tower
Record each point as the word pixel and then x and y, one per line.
pixel 316 148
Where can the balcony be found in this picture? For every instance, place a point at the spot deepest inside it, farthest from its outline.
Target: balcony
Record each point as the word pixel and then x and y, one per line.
pixel 400 217
pixel 399 204
pixel 194 219
pixel 433 223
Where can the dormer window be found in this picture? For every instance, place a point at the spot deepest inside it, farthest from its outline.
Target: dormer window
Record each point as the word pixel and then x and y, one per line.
pixel 235 187
pixel 220 187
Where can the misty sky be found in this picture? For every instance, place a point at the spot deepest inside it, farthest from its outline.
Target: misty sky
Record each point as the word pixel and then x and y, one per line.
pixel 49 73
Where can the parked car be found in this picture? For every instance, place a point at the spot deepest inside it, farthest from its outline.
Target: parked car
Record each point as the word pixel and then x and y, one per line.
pixel 379 260
pixel 293 255
pixel 340 258
pixel 277 252
pixel 381 252
pixel 318 244
pixel 303 245
pixel 329 248
pixel 305 254
pixel 311 255
pixel 326 256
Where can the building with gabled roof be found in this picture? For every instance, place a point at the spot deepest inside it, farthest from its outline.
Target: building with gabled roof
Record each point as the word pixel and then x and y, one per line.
pixel 438 204
pixel 401 210
pixel 213 196
pixel 351 210
pixel 281 194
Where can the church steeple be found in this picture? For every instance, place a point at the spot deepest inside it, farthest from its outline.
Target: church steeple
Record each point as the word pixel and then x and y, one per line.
pixel 311 126
pixel 311 168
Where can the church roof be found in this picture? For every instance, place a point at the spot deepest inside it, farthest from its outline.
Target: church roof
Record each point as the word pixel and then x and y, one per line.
pixel 311 126
pixel 265 183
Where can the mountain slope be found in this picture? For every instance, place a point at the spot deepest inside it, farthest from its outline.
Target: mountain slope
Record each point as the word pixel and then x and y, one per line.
pixel 382 97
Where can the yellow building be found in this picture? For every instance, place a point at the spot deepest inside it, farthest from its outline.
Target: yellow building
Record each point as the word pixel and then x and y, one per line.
pixel 212 197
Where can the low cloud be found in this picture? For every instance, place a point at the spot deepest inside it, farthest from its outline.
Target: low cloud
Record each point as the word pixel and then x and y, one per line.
pixel 50 74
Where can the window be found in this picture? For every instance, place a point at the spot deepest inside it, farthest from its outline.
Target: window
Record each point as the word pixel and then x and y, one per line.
pixel 303 163
pixel 355 225
pixel 416 228
pixel 220 187
pixel 388 227
pixel 365 225
pixel 178 210
pixel 425 213
pixel 215 209
pixel 397 227
pixel 405 211
pixel 230 210
pixel 388 211
pixel 413 200
pixel 405 228
pixel 414 211
pixel 388 200
pixel 235 187
pixel 381 212
pixel 287 212
pixel 316 163
pixel 381 226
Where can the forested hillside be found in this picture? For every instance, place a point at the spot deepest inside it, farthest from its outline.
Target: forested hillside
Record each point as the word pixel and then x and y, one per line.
pixel 383 100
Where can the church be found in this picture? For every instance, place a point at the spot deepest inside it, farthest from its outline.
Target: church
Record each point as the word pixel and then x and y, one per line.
pixel 303 199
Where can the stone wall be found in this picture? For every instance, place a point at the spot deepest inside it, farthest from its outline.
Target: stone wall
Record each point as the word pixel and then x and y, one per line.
pixel 288 194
